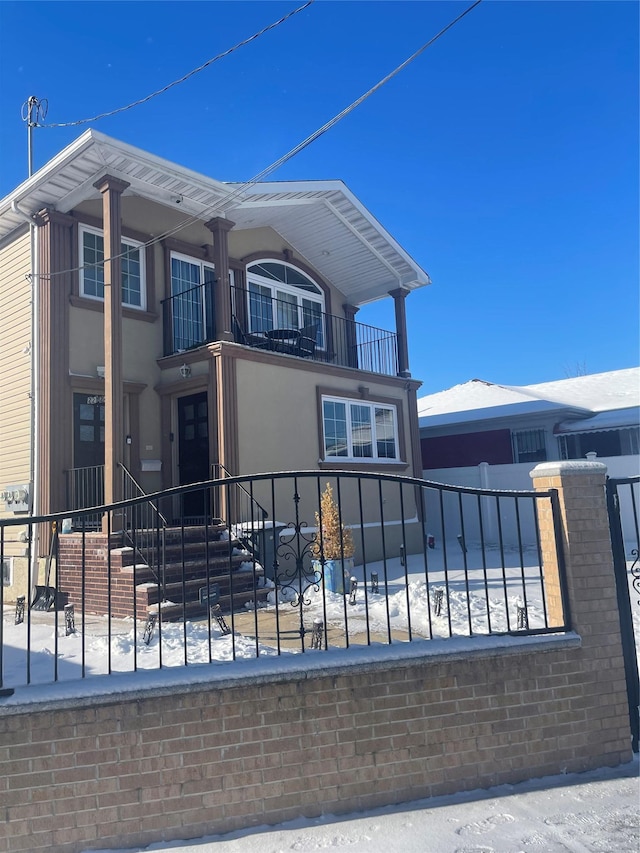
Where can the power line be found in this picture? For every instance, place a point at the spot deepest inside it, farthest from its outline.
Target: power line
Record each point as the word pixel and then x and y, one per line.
pixel 182 79
pixel 238 192
pixel 325 127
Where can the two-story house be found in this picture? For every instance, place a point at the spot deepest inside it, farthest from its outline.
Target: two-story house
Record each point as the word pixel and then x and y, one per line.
pixel 157 319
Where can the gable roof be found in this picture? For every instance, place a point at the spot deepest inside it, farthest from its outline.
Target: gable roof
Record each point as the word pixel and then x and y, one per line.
pixel 322 220
pixel 579 397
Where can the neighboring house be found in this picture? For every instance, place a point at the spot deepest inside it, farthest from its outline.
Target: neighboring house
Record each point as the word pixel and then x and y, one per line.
pixel 490 436
pixel 225 333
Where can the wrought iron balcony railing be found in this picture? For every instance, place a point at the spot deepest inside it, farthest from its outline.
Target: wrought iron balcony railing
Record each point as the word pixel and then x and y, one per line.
pixel 188 318
pixel 301 329
pixel 289 328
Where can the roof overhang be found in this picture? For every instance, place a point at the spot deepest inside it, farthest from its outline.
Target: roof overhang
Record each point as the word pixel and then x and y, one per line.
pixel 602 422
pixel 506 413
pixel 321 220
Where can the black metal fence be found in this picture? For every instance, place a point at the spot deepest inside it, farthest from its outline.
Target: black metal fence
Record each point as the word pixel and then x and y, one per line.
pixel 623 505
pixel 382 560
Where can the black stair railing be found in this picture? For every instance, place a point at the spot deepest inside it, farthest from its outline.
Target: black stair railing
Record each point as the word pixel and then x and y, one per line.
pixel 247 516
pixel 145 528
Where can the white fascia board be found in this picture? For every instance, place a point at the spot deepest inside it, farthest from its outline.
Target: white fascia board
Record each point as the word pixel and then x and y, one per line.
pixel 494 413
pixel 167 166
pixel 45 173
pixel 602 422
pixel 107 148
pixel 421 277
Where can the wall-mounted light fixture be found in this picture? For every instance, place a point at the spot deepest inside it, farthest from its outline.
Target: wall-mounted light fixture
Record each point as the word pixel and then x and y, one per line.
pixel 185 371
pixel 128 439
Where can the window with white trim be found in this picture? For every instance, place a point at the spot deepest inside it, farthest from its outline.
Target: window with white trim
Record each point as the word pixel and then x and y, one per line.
pixel 6 571
pixel 280 296
pixel 91 242
pixel 529 446
pixel 192 296
pixel 357 430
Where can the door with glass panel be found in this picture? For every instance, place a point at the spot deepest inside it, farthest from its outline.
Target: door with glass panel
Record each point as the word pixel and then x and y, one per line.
pixel 192 317
pixel 86 483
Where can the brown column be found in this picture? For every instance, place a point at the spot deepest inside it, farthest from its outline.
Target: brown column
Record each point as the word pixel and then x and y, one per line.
pixel 112 189
pixel 54 407
pixel 226 411
pixel 399 296
pixel 351 339
pixel 220 229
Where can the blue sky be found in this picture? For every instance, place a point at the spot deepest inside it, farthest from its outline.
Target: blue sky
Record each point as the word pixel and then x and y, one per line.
pixel 504 159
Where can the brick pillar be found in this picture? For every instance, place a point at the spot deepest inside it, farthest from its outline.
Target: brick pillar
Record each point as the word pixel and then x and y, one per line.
pixel 591 587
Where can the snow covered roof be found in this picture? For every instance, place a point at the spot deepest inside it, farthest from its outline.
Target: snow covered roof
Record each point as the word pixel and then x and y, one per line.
pixel 579 397
pixel 602 422
pixel 322 219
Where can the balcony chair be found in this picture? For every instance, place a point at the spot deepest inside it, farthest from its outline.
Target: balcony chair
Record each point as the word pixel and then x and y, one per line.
pixel 306 345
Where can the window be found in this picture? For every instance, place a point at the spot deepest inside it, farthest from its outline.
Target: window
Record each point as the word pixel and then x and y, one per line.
pixel 92 268
pixel 6 571
pixel 358 430
pixel 529 446
pixel 614 442
pixel 282 297
pixel 192 297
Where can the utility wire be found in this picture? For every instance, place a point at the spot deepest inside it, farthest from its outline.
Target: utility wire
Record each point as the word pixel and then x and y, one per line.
pixel 240 190
pixel 332 122
pixel 183 78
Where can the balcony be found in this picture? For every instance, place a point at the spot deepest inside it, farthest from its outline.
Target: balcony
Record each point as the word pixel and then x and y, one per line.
pixel 188 319
pixel 288 328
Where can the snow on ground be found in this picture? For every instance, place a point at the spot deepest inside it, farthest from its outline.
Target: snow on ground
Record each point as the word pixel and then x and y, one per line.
pixel 594 812
pixel 479 597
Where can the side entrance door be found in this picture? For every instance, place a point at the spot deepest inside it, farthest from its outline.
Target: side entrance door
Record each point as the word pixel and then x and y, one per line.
pixel 193 452
pixel 87 477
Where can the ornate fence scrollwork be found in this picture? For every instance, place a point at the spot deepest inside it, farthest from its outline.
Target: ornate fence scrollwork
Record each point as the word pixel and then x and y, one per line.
pixel 635 573
pixel 295 572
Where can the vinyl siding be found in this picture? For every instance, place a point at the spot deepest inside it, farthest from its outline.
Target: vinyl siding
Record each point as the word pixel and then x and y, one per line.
pixel 15 365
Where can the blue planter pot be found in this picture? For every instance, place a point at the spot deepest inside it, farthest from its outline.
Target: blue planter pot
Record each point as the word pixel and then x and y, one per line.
pixel 334 574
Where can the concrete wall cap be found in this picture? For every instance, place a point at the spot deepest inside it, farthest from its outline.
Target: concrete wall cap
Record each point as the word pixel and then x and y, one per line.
pixel 571 466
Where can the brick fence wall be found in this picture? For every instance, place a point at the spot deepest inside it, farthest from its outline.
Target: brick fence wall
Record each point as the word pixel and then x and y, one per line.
pixel 194 759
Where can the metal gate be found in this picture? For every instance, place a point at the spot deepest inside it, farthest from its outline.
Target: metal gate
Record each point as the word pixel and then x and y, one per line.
pixel 624 526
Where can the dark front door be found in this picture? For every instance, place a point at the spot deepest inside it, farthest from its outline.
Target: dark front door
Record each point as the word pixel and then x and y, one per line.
pixel 193 451
pixel 87 478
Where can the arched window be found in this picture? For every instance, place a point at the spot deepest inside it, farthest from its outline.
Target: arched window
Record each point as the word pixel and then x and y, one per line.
pixel 283 297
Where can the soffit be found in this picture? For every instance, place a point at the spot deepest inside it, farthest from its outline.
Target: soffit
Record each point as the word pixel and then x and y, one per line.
pixel 322 220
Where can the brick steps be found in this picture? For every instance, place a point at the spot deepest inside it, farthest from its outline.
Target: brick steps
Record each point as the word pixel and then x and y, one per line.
pixel 115 579
pixel 174 612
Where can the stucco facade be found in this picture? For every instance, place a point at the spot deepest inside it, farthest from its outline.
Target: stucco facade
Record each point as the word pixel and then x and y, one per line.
pixel 128 254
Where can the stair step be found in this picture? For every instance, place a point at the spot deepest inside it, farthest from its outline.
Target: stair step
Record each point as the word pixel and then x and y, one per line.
pixel 238 581
pixel 193 570
pixel 176 612
pixel 175 550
